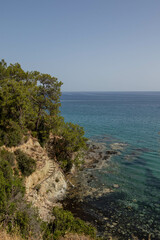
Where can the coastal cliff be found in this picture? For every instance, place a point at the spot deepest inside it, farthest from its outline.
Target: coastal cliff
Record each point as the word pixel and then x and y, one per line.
pixel 45 189
pixel 47 184
pixel 33 173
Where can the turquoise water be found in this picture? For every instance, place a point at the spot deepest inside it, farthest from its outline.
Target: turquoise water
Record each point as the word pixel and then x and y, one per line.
pixel 132 118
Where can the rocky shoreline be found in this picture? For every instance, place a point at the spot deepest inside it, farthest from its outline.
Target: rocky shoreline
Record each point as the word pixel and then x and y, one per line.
pixel 93 201
pixel 87 187
pixel 97 157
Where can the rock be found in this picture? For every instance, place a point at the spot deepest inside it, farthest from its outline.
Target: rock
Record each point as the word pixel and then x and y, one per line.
pixel 111 152
pixel 118 146
pixel 106 190
pixel 115 185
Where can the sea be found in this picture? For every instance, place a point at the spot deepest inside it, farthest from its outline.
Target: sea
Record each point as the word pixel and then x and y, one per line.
pixel 131 119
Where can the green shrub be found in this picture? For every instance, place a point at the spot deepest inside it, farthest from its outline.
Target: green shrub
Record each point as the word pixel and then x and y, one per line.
pixel 71 141
pixel 15 213
pixel 64 223
pixel 8 156
pixel 11 135
pixel 22 221
pixel 1 137
pixel 10 187
pixel 26 164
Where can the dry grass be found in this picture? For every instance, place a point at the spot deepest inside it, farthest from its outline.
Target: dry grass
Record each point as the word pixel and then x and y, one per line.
pixel 14 236
pixel 5 236
pixel 71 236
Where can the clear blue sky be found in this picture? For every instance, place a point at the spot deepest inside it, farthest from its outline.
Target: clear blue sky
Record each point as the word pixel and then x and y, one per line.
pixel 90 45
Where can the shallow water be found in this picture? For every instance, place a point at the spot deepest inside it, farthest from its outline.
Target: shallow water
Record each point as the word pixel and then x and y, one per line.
pixel 133 119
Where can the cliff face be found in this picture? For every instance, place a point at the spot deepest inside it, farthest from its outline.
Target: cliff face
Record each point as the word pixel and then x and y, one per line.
pixel 47 184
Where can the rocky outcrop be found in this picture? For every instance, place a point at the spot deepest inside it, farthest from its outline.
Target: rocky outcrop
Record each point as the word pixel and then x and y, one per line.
pixel 47 184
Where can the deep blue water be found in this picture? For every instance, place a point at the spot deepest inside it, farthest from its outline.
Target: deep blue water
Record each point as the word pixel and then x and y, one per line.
pixel 132 118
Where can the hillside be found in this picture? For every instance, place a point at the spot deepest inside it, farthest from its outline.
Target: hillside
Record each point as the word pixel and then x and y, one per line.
pixel 47 184
pixel 36 152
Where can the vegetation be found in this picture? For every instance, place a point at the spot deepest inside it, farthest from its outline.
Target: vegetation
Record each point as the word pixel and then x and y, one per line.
pixel 7 156
pixel 28 101
pixel 26 164
pixel 72 140
pixel 64 223
pixel 15 213
pixel 29 105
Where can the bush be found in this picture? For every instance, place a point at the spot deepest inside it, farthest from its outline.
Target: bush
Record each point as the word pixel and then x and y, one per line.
pixel 25 220
pixel 22 221
pixel 71 141
pixel 64 223
pixel 15 213
pixel 11 136
pixel 26 164
pixel 1 137
pixel 7 156
pixel 10 188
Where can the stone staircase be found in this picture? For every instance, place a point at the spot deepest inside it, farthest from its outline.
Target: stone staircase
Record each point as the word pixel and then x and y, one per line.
pixel 51 171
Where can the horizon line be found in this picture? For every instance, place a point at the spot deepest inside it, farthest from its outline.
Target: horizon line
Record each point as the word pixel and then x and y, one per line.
pixel 113 91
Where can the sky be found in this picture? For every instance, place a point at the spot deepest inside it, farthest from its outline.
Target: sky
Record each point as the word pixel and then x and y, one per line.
pixel 89 45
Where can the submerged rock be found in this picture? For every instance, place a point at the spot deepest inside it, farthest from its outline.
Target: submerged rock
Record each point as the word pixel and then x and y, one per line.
pixel 115 185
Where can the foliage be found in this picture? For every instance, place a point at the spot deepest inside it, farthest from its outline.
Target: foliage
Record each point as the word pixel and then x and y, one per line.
pixel 71 141
pixel 15 213
pixel 7 156
pixel 27 221
pixel 10 185
pixel 29 100
pixel 29 105
pixel 22 220
pixel 26 164
pixel 64 223
pixel 11 135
